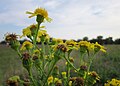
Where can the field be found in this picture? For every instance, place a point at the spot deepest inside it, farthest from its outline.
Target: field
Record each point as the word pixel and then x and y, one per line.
pixel 106 65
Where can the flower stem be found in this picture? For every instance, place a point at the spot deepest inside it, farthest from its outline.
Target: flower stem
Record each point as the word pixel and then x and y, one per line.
pixel 68 69
pixel 32 79
pixel 35 37
pixel 49 72
pixel 70 63
pixel 89 65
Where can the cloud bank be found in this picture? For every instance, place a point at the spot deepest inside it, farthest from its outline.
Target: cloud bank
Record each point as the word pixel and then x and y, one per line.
pixel 72 19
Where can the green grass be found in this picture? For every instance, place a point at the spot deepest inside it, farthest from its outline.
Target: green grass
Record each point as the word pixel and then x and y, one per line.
pixel 106 65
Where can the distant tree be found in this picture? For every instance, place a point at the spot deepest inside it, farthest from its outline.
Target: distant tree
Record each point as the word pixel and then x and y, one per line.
pixel 3 42
pixel 117 41
pixel 78 40
pixel 108 40
pixel 85 38
pixel 100 39
pixel 93 40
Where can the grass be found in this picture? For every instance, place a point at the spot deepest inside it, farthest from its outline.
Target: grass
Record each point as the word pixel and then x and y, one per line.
pixel 106 65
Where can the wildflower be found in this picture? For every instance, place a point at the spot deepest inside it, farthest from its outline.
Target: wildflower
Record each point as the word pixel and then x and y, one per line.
pixel 40 11
pixel 37 51
pixel 84 46
pixel 35 57
pixel 70 83
pixel 71 45
pixel 62 47
pixel 26 61
pixel 58 83
pixel 64 74
pixel 26 82
pixel 11 37
pixel 73 79
pixel 56 41
pixel 83 67
pixel 43 36
pixel 98 47
pixel 30 30
pixel 13 81
pixel 113 82
pixel 12 40
pixel 50 80
pixel 55 80
pixel 26 46
pixel 79 81
pixel 94 75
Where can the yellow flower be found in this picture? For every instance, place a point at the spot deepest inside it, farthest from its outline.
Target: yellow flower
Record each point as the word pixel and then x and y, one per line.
pixel 43 36
pixel 113 82
pixel 26 46
pixel 50 80
pixel 70 83
pixel 64 74
pixel 30 30
pixel 42 33
pixel 98 47
pixel 54 40
pixel 26 32
pixel 84 44
pixel 40 11
pixel 71 45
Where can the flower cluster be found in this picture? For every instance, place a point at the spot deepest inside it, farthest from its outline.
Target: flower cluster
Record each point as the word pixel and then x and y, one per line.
pixel 113 82
pixel 43 58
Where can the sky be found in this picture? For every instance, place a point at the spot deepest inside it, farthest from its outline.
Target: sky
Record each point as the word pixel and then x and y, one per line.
pixel 72 19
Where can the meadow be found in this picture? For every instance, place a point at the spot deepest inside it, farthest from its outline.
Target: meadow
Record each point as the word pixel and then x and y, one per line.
pixel 106 65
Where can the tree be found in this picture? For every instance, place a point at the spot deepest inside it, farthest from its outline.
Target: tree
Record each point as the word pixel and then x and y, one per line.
pixel 85 38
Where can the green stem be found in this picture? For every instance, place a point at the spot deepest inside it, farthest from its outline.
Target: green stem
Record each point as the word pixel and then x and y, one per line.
pixel 35 37
pixel 81 55
pixel 68 69
pixel 89 65
pixel 18 52
pixel 70 63
pixel 49 72
pixel 43 53
pixel 32 79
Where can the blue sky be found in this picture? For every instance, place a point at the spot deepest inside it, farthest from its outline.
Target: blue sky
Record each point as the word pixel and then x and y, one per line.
pixel 72 19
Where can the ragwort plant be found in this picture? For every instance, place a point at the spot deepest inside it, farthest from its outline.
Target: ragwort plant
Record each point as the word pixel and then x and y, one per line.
pixel 43 59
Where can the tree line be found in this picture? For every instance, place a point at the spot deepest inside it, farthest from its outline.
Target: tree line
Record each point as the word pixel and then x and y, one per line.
pixel 99 39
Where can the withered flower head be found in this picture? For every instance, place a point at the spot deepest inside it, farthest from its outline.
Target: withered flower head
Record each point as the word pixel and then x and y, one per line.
pixel 35 57
pixel 83 67
pixel 25 56
pixel 58 83
pixel 79 81
pixel 10 37
pixel 62 47
pixel 26 82
pixel 12 83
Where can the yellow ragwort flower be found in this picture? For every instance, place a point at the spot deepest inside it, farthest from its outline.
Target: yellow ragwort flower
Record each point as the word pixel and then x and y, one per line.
pixel 64 74
pixel 50 80
pixel 40 11
pixel 26 46
pixel 42 36
pixel 29 31
pixel 98 47
pixel 84 44
pixel 71 44
pixel 113 82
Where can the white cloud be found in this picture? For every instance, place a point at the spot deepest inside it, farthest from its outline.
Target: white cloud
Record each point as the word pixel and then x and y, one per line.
pixel 71 18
